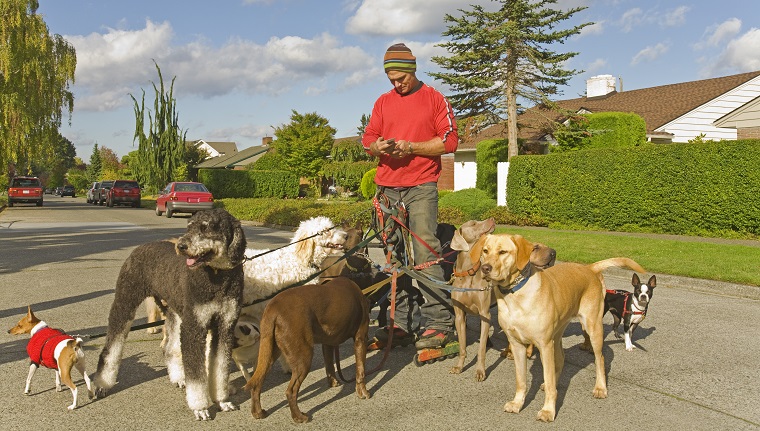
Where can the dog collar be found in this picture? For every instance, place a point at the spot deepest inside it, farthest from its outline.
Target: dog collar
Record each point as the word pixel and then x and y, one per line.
pixel 520 281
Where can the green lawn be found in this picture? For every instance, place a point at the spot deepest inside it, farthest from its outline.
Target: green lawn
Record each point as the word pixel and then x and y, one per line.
pixel 685 256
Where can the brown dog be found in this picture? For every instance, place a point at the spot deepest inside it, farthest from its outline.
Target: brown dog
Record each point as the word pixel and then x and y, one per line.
pixel 333 265
pixel 536 307
pixel 469 239
pixel 300 317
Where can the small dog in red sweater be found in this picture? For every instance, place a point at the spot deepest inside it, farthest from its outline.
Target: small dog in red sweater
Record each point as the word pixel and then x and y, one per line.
pixel 52 348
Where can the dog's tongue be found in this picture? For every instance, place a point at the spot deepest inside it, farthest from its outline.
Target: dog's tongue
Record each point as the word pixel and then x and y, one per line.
pixel 191 261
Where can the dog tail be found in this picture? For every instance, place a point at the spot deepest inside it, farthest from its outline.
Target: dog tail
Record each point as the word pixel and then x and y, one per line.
pixel 619 262
pixel 267 351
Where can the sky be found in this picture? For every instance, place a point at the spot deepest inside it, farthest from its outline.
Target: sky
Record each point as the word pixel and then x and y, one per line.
pixel 241 67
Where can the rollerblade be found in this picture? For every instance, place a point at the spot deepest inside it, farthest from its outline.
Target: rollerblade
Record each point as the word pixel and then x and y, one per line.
pixel 434 346
pixel 400 338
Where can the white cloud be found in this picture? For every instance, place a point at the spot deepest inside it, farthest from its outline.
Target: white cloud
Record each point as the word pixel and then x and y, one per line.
pixel 404 17
pixel 716 35
pixel 594 29
pixel 742 55
pixel 675 17
pixel 119 62
pixel 596 65
pixel 631 18
pixel 636 17
pixel 649 53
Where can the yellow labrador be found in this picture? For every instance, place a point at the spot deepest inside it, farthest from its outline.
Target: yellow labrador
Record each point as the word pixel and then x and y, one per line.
pixel 535 307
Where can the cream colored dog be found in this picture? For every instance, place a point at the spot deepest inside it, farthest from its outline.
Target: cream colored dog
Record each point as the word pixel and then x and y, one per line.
pixel 536 307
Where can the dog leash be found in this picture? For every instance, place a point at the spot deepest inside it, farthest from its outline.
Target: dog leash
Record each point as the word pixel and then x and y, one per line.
pixel 133 328
pixel 362 244
pixel 246 258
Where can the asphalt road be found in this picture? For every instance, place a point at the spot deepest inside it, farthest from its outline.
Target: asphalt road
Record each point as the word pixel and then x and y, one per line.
pixel 695 367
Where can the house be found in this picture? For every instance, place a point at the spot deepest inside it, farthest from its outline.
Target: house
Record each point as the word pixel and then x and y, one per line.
pixel 216 149
pixel 725 108
pixel 236 159
pixel 745 119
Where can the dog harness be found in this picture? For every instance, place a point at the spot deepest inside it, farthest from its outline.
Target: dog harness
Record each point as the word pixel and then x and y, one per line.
pixel 626 295
pixel 43 345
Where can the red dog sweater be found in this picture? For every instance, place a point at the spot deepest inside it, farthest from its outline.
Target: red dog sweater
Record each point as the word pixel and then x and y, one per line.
pixel 41 347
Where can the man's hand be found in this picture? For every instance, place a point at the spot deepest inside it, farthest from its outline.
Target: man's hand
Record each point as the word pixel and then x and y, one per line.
pixel 383 147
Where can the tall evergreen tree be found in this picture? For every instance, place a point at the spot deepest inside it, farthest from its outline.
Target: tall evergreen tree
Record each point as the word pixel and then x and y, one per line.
pixel 499 56
pixel 95 167
pixel 161 152
pixel 35 72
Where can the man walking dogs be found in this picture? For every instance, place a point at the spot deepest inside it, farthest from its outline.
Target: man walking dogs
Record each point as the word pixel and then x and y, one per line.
pixel 411 126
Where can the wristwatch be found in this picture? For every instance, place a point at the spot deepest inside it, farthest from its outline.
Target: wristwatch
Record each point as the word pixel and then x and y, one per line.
pixel 410 150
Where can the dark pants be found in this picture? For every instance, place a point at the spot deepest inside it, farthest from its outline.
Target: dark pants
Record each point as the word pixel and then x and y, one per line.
pixel 421 203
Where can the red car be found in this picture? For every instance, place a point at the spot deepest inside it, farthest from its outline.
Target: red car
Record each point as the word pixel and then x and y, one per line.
pixel 25 189
pixel 123 192
pixel 183 197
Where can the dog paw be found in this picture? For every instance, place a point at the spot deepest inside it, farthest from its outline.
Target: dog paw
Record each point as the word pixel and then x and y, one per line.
pixel 27 392
pixel 362 392
pixel 512 407
pixel 630 348
pixel 201 415
pixel 227 406
pixel 260 414
pixel 600 393
pixel 100 392
pixel 71 407
pixel 455 370
pixel 300 418
pixel 545 416
pixel 480 375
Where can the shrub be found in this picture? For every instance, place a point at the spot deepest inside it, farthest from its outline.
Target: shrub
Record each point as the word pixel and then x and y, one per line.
pixel 472 202
pixel 488 154
pixel 368 186
pixel 686 189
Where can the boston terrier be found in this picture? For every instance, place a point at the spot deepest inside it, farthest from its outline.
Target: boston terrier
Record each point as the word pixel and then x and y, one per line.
pixel 629 307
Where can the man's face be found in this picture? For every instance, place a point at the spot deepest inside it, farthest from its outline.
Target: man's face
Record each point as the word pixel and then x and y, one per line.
pixel 403 82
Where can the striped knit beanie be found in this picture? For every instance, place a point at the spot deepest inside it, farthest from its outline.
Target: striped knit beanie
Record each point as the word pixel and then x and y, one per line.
pixel 399 57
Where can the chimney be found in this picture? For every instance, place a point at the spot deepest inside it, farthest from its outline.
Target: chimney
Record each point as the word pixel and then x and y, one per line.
pixel 266 140
pixel 600 85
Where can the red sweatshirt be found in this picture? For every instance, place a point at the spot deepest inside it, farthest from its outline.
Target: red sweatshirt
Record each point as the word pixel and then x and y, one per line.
pixel 416 117
pixel 41 347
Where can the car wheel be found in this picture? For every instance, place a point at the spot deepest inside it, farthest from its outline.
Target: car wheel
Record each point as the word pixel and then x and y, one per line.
pixel 169 211
pixel 39 204
pixel 158 211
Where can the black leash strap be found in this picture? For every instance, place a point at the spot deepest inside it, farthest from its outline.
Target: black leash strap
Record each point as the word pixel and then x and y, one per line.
pixel 133 328
pixel 316 274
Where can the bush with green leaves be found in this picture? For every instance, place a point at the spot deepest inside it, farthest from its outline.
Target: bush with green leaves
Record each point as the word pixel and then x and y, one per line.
pixel 472 202
pixel 487 156
pixel 348 175
pixel 707 189
pixel 601 130
pixel 368 186
pixel 225 183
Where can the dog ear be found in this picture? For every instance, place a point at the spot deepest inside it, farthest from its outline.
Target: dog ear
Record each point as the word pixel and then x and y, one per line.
pixel 29 313
pixel 305 249
pixel 477 249
pixel 238 243
pixel 458 243
pixel 524 249
pixel 652 282
pixel 635 280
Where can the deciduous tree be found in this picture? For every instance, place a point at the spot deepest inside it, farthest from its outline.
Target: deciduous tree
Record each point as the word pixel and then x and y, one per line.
pixel 502 55
pixel 161 151
pixel 36 69
pixel 304 143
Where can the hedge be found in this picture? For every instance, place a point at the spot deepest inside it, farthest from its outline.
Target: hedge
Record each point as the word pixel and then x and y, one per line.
pixel 692 189
pixel 225 183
